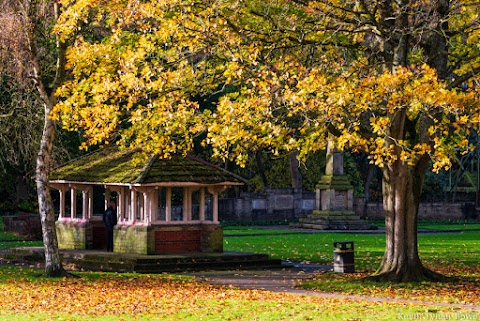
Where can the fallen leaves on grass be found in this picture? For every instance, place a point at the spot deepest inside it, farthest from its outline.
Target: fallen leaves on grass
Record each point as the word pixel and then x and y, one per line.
pixel 118 295
pixel 109 295
pixel 463 289
pixel 166 295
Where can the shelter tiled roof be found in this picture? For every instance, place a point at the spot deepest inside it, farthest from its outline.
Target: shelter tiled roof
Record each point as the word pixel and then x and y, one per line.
pixel 113 166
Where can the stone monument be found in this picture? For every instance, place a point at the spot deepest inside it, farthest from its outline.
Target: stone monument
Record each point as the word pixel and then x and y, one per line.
pixel 334 199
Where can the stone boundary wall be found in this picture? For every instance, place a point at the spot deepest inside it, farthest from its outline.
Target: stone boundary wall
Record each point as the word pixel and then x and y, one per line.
pixel 274 205
pixel 427 211
pixel 25 224
pixel 290 205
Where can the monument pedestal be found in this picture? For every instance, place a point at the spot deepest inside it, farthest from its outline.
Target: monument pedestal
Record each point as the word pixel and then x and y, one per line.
pixel 334 200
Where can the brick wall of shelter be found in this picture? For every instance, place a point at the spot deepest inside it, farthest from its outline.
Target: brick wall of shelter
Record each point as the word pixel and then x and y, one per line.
pixel 73 235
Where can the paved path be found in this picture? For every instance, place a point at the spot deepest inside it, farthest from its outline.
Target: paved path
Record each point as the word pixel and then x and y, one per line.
pixel 279 280
pixel 287 280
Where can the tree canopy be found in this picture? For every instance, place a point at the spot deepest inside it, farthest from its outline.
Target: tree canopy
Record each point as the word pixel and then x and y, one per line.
pixel 288 72
pixel 394 79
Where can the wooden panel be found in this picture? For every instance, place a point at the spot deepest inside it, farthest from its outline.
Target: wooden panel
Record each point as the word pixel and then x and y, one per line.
pixel 177 241
pixel 99 238
pixel 177 235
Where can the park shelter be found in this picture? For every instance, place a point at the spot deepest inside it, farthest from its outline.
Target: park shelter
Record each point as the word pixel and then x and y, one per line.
pixel 164 205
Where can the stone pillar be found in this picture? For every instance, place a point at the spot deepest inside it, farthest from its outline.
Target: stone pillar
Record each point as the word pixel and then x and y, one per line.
pixel 214 190
pixel 168 205
pixel 147 207
pixel 334 188
pixel 85 204
pixel 133 205
pixel 73 203
pixel 62 203
pixel 334 163
pixel 187 204
pixel 334 198
pixel 215 207
pixel 202 205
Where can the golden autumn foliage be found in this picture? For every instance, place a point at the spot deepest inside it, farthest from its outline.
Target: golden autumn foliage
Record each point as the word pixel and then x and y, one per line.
pixel 140 70
pixel 396 80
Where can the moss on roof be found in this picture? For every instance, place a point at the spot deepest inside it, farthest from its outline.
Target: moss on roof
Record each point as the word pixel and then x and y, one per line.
pixel 110 165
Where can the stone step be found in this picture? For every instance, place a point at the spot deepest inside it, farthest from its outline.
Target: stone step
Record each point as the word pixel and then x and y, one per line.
pixel 336 219
pixel 118 262
pixel 308 220
pixel 318 213
pixel 174 266
pixel 325 220
pixel 330 218
pixel 312 226
pixel 232 265
pixel 85 265
pixel 336 226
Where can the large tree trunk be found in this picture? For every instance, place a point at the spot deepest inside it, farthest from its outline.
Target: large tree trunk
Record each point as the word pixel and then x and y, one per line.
pixel 402 187
pixel 401 261
pixel 402 183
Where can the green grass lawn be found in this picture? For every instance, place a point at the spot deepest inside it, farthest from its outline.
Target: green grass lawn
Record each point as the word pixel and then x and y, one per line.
pixel 452 254
pixel 26 295
pixel 308 247
pixel 441 225
pixel 215 310
pixel 461 248
pixel 19 243
pixel 449 226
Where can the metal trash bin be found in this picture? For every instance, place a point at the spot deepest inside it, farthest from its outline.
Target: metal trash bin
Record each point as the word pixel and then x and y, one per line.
pixel 343 257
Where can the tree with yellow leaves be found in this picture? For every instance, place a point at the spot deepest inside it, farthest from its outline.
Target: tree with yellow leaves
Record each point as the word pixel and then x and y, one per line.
pixel 393 79
pixel 36 59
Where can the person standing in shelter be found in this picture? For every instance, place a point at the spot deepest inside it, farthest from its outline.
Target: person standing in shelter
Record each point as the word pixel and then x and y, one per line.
pixel 110 220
